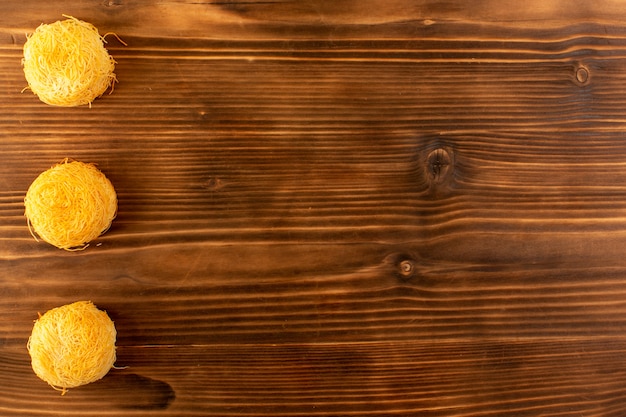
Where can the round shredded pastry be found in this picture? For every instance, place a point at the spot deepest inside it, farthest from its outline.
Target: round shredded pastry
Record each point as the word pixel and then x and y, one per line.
pixel 72 345
pixel 66 63
pixel 70 204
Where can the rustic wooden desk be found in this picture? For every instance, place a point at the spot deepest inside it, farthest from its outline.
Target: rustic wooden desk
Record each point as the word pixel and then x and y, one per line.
pixel 363 208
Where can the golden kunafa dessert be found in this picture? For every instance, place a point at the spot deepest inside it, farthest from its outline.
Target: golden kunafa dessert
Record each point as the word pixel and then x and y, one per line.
pixel 70 204
pixel 72 345
pixel 66 63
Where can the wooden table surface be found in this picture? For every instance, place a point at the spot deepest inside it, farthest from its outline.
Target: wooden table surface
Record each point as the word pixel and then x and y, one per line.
pixel 347 208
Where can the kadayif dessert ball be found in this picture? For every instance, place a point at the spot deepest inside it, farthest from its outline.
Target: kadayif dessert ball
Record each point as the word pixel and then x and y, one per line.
pixel 66 64
pixel 70 204
pixel 72 345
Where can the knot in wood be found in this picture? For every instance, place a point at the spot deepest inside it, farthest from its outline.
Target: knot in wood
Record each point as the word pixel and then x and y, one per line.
pixel 112 3
pixel 582 75
pixel 439 164
pixel 403 266
pixel 213 184
pixel 407 268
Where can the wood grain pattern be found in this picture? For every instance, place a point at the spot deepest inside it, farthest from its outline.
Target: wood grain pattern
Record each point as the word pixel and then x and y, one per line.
pixel 478 378
pixel 364 208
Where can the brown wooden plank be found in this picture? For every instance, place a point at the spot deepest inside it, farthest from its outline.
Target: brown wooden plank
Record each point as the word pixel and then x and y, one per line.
pixel 420 378
pixel 356 208
pixel 210 302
